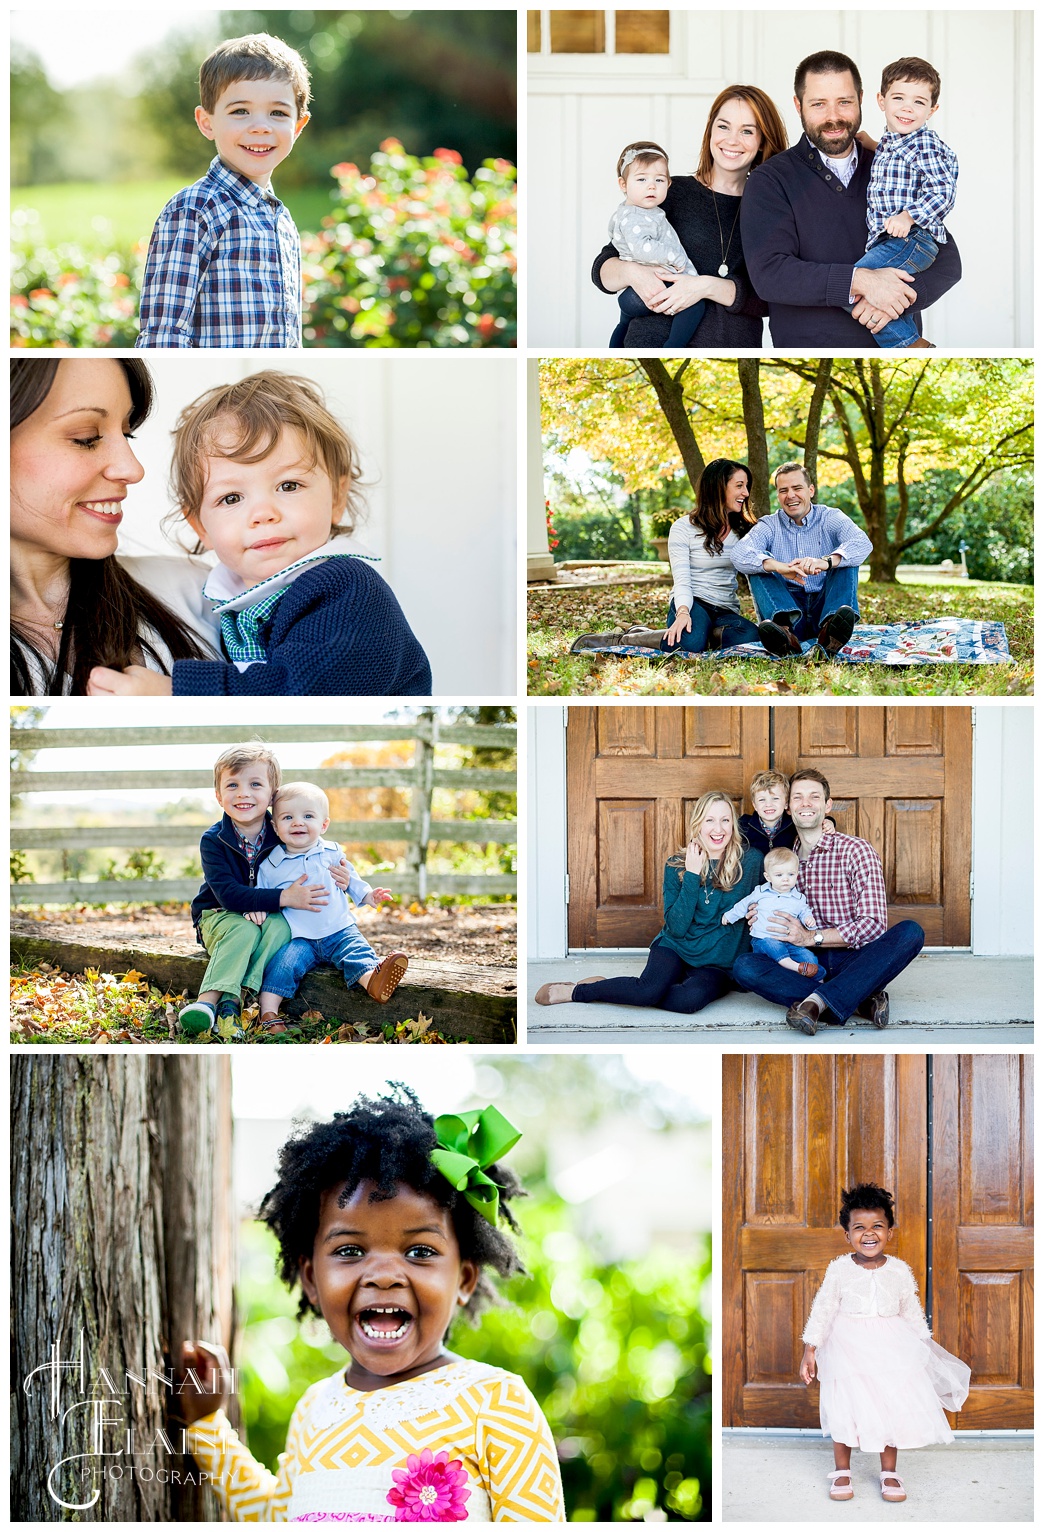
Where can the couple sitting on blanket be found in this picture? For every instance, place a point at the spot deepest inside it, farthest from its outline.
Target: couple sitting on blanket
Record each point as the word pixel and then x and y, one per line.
pixel 802 563
pixel 818 923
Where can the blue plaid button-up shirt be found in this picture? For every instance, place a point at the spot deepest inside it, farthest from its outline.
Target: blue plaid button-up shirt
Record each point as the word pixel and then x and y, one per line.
pixel 913 173
pixel 825 530
pixel 223 268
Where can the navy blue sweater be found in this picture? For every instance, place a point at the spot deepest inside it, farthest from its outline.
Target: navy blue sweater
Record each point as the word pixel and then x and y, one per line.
pixel 228 876
pixel 338 632
pixel 783 835
pixel 802 233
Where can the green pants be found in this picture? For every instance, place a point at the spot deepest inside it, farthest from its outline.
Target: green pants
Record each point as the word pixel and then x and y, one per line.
pixel 238 949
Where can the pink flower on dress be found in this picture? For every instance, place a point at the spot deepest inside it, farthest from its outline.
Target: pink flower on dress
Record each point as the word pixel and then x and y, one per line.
pixel 430 1489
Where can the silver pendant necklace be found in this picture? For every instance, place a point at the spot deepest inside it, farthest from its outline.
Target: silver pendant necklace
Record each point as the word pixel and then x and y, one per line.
pixel 723 269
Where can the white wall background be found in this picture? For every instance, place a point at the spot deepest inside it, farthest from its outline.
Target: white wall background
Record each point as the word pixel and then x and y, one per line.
pixel 583 108
pixel 1002 832
pixel 436 433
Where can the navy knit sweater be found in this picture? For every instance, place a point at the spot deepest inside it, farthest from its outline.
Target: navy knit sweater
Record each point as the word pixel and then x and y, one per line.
pixel 803 231
pixel 228 878
pixel 783 835
pixel 338 632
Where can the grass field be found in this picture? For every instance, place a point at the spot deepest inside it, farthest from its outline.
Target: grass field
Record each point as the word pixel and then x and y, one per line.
pixel 118 215
pixel 556 617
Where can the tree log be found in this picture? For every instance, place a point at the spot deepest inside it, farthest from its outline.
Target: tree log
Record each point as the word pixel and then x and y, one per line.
pixel 474 1004
pixel 122 1239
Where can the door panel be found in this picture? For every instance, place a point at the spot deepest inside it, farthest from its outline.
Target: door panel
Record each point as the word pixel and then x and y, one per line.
pixel 900 778
pixel 798 1128
pixel 982 1150
pixel 634 774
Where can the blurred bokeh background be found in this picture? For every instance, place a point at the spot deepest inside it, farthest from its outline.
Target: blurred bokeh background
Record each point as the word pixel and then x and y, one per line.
pixel 102 135
pixel 610 1328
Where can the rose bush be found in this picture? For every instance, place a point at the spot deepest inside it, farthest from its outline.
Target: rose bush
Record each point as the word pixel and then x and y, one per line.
pixel 414 253
pixel 71 297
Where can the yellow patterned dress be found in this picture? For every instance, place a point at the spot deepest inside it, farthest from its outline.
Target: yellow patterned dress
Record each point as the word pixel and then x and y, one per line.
pixel 464 1442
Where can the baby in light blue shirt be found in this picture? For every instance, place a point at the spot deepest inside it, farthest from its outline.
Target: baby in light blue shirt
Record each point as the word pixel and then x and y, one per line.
pixel 779 892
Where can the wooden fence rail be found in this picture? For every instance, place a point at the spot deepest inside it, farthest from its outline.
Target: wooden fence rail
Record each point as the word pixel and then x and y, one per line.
pixel 418 832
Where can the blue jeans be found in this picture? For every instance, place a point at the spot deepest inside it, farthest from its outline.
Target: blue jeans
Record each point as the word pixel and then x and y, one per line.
pixel 667 983
pixel 683 325
pixel 775 950
pixel 347 950
pixel 914 253
pixel 805 610
pixel 853 973
pixel 704 616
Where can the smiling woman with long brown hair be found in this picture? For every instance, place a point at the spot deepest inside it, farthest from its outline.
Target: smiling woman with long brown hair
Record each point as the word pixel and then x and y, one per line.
pixel 74 603
pixel 689 963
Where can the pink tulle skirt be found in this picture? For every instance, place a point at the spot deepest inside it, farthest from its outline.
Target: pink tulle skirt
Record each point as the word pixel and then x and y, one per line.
pixel 881 1385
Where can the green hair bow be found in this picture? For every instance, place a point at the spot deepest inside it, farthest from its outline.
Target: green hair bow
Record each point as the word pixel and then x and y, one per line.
pixel 467 1143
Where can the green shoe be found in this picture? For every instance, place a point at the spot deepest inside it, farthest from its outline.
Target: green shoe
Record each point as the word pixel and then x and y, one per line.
pixel 197 1017
pixel 229 1016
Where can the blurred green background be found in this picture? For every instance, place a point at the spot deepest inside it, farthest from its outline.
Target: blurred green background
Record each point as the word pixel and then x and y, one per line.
pixel 615 1346
pixel 100 141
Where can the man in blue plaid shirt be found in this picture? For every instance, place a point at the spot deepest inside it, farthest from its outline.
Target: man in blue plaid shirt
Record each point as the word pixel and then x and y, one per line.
pixel 224 261
pixel 913 184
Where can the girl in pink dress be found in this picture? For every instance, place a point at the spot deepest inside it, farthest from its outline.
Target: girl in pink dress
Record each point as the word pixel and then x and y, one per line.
pixel 883 1381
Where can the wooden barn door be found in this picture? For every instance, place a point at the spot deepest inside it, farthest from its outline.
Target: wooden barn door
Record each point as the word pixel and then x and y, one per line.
pixel 952 1138
pixel 797 1128
pixel 901 779
pixel 633 775
pixel 982 1239
pixel 900 776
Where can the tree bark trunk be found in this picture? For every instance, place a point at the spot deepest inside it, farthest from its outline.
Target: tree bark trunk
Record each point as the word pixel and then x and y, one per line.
pixel 670 392
pixel 815 416
pixel 757 443
pixel 122 1247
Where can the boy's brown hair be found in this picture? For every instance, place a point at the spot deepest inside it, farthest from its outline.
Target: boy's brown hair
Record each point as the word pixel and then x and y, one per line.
pixel 257 409
pixel 642 153
pixel 914 71
pixel 766 779
pixel 238 756
pixel 778 858
pixel 258 56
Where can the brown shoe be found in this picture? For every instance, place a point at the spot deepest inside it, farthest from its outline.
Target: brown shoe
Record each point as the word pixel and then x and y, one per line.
pixel 874 1009
pixel 555 993
pixel 387 976
pixel 273 1022
pixel 803 1017
pixel 596 978
pixel 837 630
pixel 778 639
pixel 808 970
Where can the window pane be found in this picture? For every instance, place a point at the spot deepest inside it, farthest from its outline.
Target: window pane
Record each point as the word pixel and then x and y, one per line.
pixel 533 31
pixel 643 31
pixel 577 31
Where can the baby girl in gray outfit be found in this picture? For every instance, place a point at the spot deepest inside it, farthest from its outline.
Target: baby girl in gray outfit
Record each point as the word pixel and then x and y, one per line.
pixel 640 232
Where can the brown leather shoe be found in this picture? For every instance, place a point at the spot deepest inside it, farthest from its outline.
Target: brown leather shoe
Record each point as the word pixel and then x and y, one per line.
pixel 837 630
pixel 778 639
pixel 387 976
pixel 808 970
pixel 803 1016
pixel 874 1009
pixel 555 993
pixel 273 1022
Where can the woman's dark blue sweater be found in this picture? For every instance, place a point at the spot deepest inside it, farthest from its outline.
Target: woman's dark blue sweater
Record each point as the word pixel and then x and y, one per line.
pixel 338 632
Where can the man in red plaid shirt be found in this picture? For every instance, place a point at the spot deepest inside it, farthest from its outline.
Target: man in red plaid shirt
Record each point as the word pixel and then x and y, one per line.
pixel 843 881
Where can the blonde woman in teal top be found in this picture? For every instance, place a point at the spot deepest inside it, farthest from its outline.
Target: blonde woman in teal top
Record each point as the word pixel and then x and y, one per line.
pixel 690 960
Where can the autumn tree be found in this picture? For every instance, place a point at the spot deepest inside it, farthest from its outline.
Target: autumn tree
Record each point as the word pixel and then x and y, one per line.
pixel 882 424
pixel 122 1240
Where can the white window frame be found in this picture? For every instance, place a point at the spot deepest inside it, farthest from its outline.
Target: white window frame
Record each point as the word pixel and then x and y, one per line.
pixel 610 63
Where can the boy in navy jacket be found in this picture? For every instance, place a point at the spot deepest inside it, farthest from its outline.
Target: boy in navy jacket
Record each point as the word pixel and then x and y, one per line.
pixel 229 912
pixel 267 478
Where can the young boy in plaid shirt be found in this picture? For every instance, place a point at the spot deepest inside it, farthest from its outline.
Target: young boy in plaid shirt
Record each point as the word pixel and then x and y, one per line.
pixel 224 261
pixel 913 184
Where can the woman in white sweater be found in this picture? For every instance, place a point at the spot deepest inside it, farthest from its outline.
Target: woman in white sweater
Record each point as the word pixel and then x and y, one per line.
pixel 704 612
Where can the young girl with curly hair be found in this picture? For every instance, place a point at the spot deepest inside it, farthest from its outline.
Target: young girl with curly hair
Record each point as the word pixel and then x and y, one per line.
pixel 883 1381
pixel 389 1221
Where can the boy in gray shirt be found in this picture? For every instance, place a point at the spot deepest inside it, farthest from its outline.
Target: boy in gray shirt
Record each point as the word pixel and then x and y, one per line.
pixel 779 892
pixel 640 232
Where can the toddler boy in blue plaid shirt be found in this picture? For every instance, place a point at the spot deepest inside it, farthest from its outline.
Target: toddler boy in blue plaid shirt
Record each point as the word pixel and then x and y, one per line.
pixel 913 184
pixel 224 261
